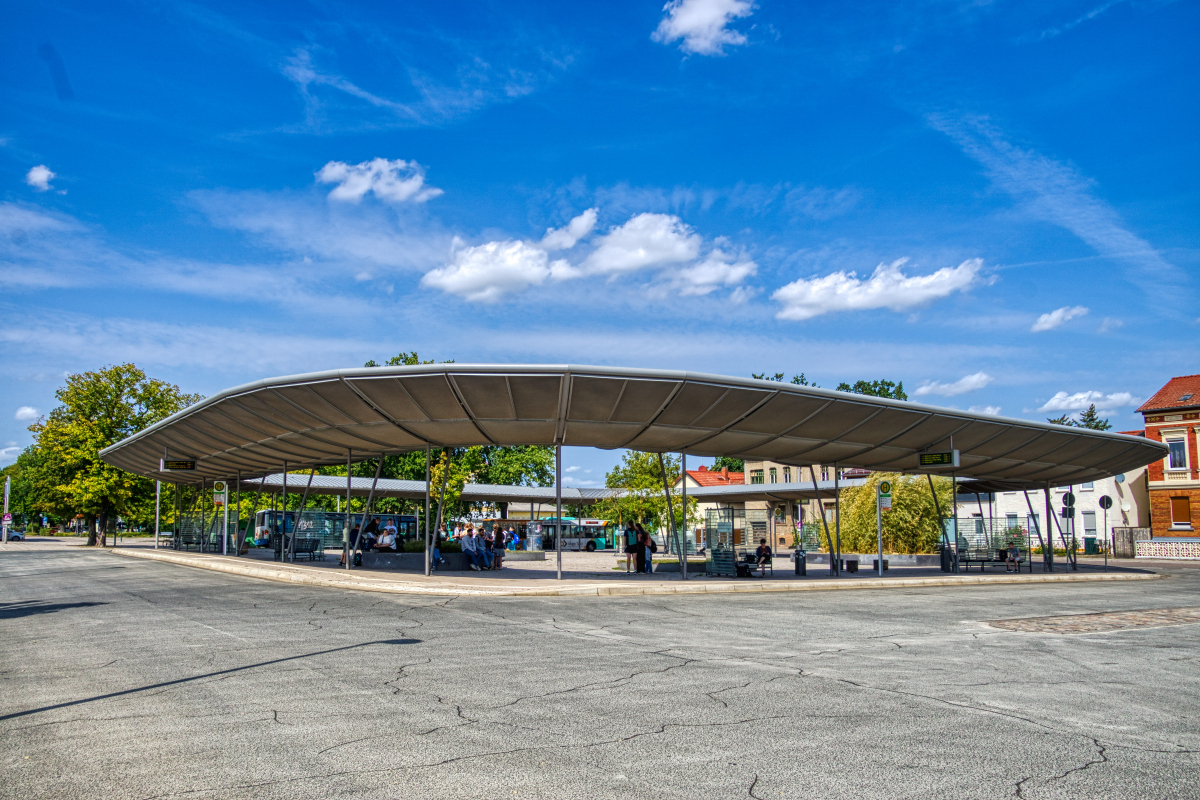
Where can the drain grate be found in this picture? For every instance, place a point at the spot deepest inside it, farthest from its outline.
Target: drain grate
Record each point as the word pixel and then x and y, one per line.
pixel 1099 623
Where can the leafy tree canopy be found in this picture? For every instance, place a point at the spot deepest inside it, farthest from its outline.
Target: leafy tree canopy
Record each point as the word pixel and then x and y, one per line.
pixel 64 472
pixel 1087 419
pixel 734 464
pixel 876 389
pixel 799 380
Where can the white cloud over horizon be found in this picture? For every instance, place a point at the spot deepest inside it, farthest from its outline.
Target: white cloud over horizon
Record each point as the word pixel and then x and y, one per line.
pixel 39 178
pixel 963 385
pixel 393 181
pixel 1053 319
pixel 568 236
pixel 1080 401
pixel 887 287
pixel 645 240
pixel 702 25
pixel 991 411
pixel 26 413
pixel 485 273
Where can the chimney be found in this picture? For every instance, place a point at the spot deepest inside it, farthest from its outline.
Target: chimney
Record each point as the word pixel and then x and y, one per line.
pixel 725 473
pixel 702 468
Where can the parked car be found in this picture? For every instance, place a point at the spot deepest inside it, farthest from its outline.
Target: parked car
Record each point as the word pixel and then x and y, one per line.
pixel 16 536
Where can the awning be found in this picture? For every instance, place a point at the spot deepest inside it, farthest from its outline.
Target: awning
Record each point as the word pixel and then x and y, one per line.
pixel 315 419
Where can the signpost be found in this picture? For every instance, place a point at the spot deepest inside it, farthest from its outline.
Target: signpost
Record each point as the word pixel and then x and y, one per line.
pixel 8 516
pixel 883 499
pixel 1105 503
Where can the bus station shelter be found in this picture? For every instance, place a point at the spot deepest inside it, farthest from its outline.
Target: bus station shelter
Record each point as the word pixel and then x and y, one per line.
pixel 342 416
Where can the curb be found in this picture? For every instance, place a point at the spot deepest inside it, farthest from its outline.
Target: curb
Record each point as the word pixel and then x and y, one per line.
pixel 359 582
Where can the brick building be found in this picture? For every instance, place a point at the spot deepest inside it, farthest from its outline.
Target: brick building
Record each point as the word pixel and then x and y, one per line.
pixel 1173 416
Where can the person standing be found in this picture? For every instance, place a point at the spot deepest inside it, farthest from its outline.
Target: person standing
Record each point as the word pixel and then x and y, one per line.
pixel 497 546
pixel 631 544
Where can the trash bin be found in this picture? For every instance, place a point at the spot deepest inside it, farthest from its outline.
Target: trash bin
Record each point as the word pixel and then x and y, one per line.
pixel 1089 546
pixel 801 558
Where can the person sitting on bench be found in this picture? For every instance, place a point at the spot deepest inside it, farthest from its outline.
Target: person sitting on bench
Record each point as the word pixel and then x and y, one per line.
pixel 762 555
pixel 386 543
pixel 469 548
pixel 1013 561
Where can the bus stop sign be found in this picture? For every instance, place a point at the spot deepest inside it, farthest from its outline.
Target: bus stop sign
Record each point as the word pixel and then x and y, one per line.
pixel 885 494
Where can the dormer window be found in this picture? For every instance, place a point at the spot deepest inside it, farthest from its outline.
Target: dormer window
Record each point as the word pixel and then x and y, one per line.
pixel 1187 396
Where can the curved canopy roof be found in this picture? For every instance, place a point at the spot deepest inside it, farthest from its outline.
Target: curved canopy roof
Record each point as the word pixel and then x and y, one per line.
pixel 313 419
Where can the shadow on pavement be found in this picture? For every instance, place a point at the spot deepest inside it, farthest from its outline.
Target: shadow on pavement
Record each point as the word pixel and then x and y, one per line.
pixel 29 608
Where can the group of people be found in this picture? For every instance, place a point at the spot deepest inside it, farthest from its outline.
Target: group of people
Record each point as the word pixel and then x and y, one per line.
pixel 484 549
pixel 639 548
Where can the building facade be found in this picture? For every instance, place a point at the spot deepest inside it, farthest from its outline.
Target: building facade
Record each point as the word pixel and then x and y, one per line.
pixel 1172 416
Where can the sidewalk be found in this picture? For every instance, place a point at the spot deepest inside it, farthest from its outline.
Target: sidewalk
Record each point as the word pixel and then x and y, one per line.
pixel 593 575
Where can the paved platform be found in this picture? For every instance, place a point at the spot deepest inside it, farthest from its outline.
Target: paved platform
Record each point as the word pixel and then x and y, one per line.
pixel 593 574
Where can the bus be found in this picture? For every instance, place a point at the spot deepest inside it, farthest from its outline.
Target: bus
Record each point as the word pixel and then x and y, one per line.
pixel 578 534
pixel 327 525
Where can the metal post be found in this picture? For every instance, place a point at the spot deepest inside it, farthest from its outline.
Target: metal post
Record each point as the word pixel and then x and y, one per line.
pixel 837 514
pixel 237 518
pixel 253 510
pixel 879 527
pixel 157 502
pixel 1048 545
pixel 938 508
pixel 558 506
pixel 442 497
pixel 1037 528
pixel 362 525
pixel 954 503
pixel 299 514
pixel 428 541
pixel 835 566
pixel 671 514
pixel 686 550
pixel 225 522
pixel 346 525
pixel 1106 540
pixel 283 519
pixel 7 486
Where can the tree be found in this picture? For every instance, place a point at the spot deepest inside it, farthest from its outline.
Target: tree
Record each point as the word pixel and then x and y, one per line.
pixel 876 389
pixel 1087 419
pixel 734 464
pixel 644 501
pixel 799 380
pixel 910 526
pixel 101 408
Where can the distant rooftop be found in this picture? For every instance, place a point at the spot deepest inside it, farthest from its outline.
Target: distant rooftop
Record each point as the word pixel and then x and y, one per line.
pixel 1181 392
pixel 711 477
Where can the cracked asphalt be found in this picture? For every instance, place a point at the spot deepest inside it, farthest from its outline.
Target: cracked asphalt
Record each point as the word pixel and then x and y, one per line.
pixel 131 679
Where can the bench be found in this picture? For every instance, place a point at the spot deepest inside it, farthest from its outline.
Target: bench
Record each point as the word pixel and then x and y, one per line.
pixel 313 547
pixel 722 562
pixel 990 558
pixel 748 563
pixel 186 541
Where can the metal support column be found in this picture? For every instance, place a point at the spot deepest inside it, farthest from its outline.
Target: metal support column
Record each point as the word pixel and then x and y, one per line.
pixel 941 523
pixel 837 515
pixel 157 502
pixel 362 524
pixel 346 524
pixel 1046 565
pixel 687 551
pixel 954 502
pixel 283 518
pixel 1049 544
pixel 835 565
pixel 671 529
pixel 225 522
pixel 558 507
pixel 299 514
pixel 428 541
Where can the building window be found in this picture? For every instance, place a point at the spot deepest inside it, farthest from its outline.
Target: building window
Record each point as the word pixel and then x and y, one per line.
pixel 774 475
pixel 1181 514
pixel 756 476
pixel 787 474
pixel 824 473
pixel 1177 459
pixel 1088 486
pixel 1010 521
pixel 1089 523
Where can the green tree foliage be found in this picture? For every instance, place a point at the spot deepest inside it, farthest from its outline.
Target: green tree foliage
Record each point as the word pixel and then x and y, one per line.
pixel 910 526
pixel 876 389
pixel 799 380
pixel 64 472
pixel 644 501
pixel 734 464
pixel 1087 419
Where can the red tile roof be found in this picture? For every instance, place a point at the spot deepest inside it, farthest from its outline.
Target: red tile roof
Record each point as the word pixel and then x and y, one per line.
pixel 1171 395
pixel 1133 433
pixel 707 477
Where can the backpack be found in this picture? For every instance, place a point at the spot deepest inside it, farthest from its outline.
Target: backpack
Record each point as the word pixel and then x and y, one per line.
pixel 653 546
pixel 358 559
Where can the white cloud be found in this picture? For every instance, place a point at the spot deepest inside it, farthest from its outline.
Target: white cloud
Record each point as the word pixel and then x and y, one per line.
pixel 888 287
pixel 26 413
pixel 1052 319
pixel 1109 324
pixel 719 269
pixel 565 238
pixel 39 177
pixel 821 203
pixel 392 181
pixel 1081 400
pixel 1058 194
pixel 485 273
pixel 991 411
pixel 646 240
pixel 966 384
pixel 701 24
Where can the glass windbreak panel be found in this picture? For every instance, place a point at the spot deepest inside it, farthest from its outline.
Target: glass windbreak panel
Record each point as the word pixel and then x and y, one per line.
pixel 1178 456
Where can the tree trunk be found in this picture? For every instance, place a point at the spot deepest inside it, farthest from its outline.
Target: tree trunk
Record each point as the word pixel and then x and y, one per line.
pixel 103 524
pixel 91 530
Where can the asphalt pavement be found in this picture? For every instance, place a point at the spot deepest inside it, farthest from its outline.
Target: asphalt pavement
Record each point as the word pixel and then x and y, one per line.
pixel 126 678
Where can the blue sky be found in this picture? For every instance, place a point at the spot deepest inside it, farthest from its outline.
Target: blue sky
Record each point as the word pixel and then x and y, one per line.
pixel 993 202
